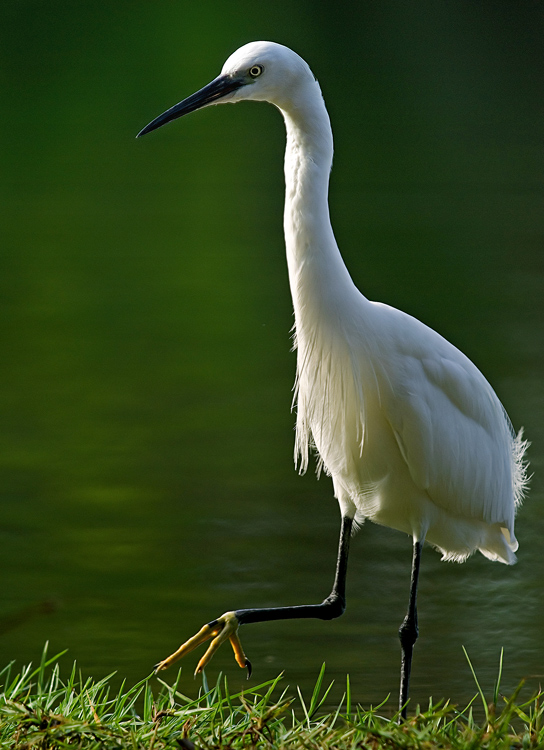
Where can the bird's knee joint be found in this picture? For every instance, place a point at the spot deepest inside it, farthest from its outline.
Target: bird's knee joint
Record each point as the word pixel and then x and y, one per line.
pixel 408 632
pixel 333 606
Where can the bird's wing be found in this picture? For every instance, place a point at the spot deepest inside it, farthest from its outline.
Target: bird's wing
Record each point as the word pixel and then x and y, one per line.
pixel 450 426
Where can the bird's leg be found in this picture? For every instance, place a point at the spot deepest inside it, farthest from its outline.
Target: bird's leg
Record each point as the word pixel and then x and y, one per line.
pixel 227 625
pixel 331 607
pixel 408 632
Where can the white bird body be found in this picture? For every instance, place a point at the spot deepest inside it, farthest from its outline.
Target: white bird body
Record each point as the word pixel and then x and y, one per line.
pixel 409 429
pixel 411 432
pixel 420 454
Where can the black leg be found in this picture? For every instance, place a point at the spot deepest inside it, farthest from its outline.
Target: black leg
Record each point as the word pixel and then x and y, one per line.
pixel 408 633
pixel 227 625
pixel 333 606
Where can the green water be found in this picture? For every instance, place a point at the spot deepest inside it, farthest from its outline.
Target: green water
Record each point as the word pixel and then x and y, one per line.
pixel 145 379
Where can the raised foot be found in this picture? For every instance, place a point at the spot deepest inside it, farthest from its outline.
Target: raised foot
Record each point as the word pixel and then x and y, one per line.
pixel 219 630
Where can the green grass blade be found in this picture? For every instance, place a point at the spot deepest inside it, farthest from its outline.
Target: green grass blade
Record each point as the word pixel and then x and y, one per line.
pixel 498 682
pixel 39 710
pixel 480 691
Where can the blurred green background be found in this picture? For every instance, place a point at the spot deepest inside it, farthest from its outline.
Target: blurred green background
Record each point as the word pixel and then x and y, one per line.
pixel 146 436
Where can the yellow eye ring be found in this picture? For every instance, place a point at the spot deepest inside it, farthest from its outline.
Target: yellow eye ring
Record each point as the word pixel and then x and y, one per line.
pixel 255 71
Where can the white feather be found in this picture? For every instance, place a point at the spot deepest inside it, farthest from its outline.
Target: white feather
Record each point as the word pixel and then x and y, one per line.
pixel 409 429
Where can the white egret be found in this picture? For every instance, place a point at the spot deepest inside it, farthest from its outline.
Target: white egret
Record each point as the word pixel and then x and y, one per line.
pixel 408 428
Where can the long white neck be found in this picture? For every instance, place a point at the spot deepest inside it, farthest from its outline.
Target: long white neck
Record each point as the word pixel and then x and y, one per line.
pixel 325 300
pixel 317 274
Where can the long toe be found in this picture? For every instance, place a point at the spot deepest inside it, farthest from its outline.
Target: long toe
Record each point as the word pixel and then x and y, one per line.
pixel 219 630
pixel 210 630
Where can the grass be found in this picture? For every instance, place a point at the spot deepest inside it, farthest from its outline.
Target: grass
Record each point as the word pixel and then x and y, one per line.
pixel 40 710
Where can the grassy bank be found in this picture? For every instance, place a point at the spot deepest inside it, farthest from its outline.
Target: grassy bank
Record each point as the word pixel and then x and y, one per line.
pixel 39 709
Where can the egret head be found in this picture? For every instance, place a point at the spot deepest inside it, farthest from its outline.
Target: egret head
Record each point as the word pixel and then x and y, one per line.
pixel 258 71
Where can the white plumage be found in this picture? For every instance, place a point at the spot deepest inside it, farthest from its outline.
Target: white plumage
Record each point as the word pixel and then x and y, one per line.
pixel 412 434
pixel 408 428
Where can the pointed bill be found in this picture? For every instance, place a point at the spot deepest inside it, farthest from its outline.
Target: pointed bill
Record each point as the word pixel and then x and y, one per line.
pixel 217 89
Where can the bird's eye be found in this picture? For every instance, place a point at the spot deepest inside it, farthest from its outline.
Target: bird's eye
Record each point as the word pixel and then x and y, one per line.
pixel 255 71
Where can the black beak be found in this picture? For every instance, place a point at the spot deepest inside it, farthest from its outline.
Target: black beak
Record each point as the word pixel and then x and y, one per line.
pixel 219 87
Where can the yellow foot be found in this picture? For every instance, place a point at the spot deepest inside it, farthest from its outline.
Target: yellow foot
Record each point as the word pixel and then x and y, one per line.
pixel 224 627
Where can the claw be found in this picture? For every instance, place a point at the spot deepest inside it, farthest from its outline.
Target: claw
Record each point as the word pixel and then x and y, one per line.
pixel 236 644
pixel 219 630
